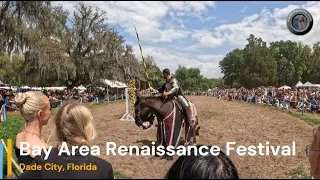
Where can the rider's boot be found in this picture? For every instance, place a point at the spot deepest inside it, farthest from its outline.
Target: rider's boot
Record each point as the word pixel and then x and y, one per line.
pixel 187 109
pixel 169 158
pixel 189 117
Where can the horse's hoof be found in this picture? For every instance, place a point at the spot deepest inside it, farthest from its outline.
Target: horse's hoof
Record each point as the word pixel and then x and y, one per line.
pixel 163 157
pixel 169 158
pixel 157 155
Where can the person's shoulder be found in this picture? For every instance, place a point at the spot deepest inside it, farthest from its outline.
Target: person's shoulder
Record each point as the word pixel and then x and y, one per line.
pixel 43 157
pixel 53 156
pixel 103 167
pixel 101 162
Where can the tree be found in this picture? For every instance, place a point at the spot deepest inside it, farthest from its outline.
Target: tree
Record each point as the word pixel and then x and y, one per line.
pixel 191 79
pixel 261 67
pixel 284 62
pixel 295 55
pixel 314 64
pixel 305 57
pixel 55 54
pixel 232 67
pixel 86 43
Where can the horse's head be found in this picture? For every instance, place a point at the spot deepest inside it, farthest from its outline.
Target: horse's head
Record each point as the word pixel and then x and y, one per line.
pixel 145 106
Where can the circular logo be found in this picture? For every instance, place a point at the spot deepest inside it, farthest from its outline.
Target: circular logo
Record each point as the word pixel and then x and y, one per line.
pixel 299 22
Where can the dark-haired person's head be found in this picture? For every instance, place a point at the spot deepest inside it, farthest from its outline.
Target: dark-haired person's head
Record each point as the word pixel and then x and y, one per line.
pixel 296 21
pixel 166 73
pixel 208 166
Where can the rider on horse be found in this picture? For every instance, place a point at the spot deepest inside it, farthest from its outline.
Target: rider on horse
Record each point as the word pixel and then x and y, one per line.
pixel 171 89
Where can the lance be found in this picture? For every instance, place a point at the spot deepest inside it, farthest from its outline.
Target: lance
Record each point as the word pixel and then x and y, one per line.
pixel 144 63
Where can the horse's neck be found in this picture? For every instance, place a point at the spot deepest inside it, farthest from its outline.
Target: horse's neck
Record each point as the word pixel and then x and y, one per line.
pixel 158 107
pixel 154 103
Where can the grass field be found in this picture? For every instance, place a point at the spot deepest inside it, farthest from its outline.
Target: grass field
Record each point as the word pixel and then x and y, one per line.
pixel 14 124
pixel 310 118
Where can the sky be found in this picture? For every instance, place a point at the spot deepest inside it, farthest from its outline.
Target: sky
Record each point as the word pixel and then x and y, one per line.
pixel 199 34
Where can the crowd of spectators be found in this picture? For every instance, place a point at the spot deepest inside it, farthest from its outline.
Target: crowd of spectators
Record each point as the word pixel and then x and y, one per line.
pixel 55 96
pixel 297 99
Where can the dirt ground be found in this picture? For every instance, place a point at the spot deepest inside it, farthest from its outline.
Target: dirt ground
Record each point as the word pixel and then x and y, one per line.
pixel 221 121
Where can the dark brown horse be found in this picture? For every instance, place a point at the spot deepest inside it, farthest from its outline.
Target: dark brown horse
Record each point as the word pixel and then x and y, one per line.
pixel 170 117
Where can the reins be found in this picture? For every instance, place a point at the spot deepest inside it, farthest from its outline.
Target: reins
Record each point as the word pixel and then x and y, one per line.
pixel 165 98
pixel 157 111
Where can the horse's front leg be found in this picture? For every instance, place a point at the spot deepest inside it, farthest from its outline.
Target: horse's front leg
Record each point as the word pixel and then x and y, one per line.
pixel 168 156
pixel 161 156
pixel 160 137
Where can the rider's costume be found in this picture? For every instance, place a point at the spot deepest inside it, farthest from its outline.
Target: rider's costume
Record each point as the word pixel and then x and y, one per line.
pixel 171 85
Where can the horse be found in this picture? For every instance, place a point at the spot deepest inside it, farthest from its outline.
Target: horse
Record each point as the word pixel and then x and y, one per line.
pixel 170 116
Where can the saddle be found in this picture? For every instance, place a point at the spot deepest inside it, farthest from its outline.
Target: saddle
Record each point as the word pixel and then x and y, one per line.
pixel 179 105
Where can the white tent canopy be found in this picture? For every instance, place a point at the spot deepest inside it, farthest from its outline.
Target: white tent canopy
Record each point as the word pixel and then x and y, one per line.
pixel 81 88
pixel 14 88
pixel 285 87
pixel 299 84
pixel 36 88
pixel 55 88
pixel 213 89
pixel 120 84
pixel 307 84
pixel 109 83
pixel 25 87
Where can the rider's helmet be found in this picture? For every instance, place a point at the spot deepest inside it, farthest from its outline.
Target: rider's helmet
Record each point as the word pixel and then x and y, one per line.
pixel 166 71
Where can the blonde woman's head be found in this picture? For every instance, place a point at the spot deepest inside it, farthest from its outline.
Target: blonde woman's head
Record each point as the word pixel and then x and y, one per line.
pixel 74 125
pixel 33 105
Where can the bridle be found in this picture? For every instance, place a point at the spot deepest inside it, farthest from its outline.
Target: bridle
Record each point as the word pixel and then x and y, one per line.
pixel 137 115
pixel 151 114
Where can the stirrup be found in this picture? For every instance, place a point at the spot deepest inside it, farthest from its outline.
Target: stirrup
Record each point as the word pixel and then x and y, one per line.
pixel 192 121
